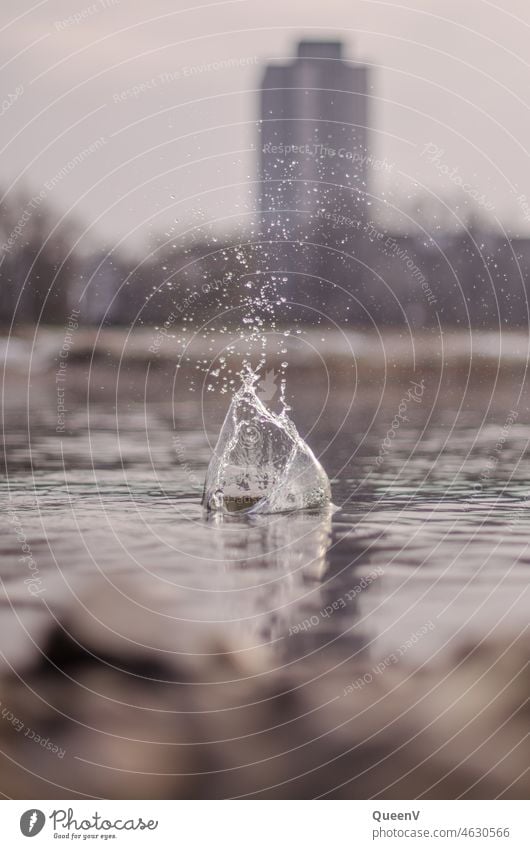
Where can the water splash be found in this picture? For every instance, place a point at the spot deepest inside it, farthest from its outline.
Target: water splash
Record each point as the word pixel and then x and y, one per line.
pixel 260 463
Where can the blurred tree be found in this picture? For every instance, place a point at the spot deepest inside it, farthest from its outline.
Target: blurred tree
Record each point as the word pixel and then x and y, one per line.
pixel 35 275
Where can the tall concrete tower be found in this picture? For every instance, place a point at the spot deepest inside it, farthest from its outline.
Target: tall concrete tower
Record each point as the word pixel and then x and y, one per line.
pixel 313 149
pixel 313 128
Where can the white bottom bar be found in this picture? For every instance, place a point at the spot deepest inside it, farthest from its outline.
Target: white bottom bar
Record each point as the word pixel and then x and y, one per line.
pixel 263 825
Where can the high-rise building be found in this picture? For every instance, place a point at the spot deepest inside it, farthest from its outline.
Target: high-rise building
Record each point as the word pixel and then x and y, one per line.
pixel 313 153
pixel 314 130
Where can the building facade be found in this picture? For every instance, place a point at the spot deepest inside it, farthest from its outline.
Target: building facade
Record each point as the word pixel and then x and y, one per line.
pixel 313 153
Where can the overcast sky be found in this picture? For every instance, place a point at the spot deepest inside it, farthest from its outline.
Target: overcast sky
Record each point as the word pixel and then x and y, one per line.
pixel 450 73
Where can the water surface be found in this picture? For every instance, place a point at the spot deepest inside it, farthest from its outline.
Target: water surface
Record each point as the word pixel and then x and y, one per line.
pixel 430 524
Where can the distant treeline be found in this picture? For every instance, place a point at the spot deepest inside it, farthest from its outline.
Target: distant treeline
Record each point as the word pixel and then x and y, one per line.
pixel 341 269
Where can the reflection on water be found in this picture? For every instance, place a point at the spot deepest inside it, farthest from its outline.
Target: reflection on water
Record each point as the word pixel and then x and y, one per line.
pixel 437 531
pixel 279 563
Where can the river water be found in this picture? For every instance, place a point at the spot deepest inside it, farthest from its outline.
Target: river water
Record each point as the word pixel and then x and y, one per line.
pixel 425 547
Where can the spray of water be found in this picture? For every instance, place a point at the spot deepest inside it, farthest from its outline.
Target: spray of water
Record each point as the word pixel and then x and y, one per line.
pixel 260 463
pixel 240 313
